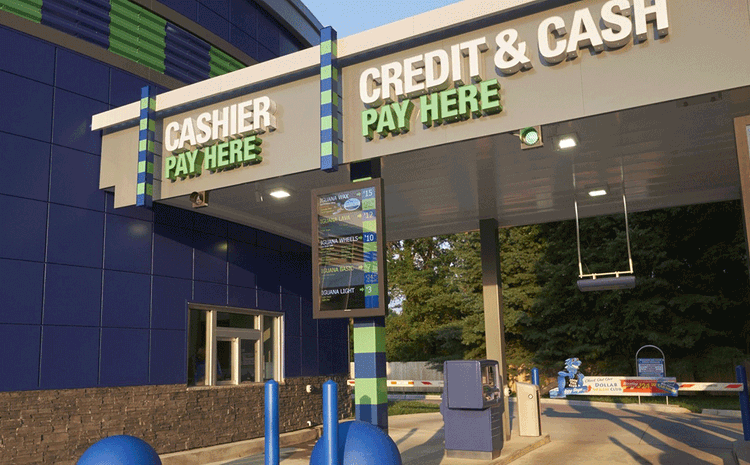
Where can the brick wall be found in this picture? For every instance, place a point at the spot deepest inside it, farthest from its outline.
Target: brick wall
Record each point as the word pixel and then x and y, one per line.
pixel 57 426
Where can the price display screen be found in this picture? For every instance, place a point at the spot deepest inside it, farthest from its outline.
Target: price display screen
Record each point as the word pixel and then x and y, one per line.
pixel 348 255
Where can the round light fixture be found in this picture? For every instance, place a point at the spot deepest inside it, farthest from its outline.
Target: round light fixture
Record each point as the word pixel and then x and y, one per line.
pixel 529 136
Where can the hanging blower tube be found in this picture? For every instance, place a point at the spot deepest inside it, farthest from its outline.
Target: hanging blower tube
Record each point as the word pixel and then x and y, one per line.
pixel 612 281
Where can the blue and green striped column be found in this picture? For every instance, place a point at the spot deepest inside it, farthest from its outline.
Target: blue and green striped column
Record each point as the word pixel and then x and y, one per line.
pixel 370 387
pixel 145 186
pixel 330 98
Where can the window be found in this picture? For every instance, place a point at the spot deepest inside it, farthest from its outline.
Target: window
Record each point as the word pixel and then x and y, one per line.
pixel 233 346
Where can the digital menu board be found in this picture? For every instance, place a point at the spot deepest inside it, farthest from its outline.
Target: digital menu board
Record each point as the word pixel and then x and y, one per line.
pixel 348 255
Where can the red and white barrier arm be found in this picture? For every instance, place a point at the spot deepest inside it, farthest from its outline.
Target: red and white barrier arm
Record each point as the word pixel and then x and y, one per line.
pixel 714 387
pixel 407 383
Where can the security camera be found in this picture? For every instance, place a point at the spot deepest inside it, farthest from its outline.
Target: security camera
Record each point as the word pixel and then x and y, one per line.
pixel 199 199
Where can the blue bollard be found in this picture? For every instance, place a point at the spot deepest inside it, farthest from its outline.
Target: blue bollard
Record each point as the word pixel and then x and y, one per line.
pixel 272 423
pixel 330 423
pixel 535 376
pixel 744 401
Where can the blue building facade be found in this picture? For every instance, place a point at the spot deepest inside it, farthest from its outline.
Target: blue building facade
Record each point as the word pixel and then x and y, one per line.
pixel 97 297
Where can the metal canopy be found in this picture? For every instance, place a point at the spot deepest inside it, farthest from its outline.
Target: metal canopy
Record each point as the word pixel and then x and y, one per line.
pixel 674 153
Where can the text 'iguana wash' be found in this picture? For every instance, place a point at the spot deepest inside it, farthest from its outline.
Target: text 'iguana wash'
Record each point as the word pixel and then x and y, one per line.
pixel 218 140
pixel 450 86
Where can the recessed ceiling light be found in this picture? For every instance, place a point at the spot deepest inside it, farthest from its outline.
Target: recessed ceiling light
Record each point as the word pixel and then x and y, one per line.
pixel 598 192
pixel 279 194
pixel 567 143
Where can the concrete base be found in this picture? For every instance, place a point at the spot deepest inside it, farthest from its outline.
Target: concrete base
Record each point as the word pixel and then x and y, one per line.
pixel 472 454
pixel 741 452
pixel 238 449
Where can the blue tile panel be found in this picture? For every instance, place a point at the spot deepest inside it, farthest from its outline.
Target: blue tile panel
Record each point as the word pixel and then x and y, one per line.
pixel 85 19
pixel 97 296
pixel 186 57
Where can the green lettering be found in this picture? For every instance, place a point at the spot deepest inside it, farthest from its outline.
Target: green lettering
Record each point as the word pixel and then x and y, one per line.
pixel 195 162
pixel 385 122
pixel 490 93
pixel 467 102
pixel 430 107
pixel 181 170
pixel 221 155
pixel 369 119
pixel 171 162
pixel 210 157
pixel 235 152
pixel 449 105
pixel 251 149
pixel 403 115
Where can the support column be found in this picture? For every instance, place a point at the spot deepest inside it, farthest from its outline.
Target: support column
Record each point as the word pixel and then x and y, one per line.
pixel 370 387
pixel 742 136
pixel 492 291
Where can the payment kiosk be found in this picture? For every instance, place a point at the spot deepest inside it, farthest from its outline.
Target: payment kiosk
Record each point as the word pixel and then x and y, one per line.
pixel 472 409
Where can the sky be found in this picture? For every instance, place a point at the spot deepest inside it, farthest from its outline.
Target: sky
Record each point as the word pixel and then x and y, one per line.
pixel 349 17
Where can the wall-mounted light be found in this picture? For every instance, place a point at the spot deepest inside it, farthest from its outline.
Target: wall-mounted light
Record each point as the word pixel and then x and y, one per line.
pixel 598 192
pixel 566 141
pixel 279 193
pixel 531 137
pixel 199 199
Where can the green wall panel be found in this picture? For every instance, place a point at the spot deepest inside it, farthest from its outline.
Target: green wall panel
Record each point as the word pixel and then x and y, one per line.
pixel 29 9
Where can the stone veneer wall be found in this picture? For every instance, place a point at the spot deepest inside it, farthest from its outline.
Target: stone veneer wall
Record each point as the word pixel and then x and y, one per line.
pixel 57 426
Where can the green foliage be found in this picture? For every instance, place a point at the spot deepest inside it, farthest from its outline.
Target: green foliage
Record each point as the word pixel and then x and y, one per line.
pixel 691 296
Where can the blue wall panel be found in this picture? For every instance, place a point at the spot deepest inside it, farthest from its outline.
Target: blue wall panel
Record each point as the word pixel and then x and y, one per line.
pixel 292 356
pixel 130 212
pixel 124 88
pixel 73 296
pixel 290 305
pixel 187 8
pixel 210 258
pixel 243 297
pixel 242 270
pixel 173 254
pixel 210 293
pixel 268 301
pixel 31 102
pixel 71 66
pixel 32 181
pixel 20 367
pixel 74 180
pixel 128 246
pixel 169 302
pixel 244 15
pixel 309 365
pixel 110 286
pixel 21 286
pixel 76 236
pixel 268 33
pixel 15 50
pixel 124 357
pixel 127 300
pixel 22 235
pixel 70 357
pixel 213 22
pixel 244 41
pixel 168 357
pixel 73 119
pixel 308 326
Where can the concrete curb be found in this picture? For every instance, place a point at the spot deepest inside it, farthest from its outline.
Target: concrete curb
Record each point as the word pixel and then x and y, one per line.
pixel 638 407
pixel 236 450
pixel 741 452
pixel 521 452
pixel 722 413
